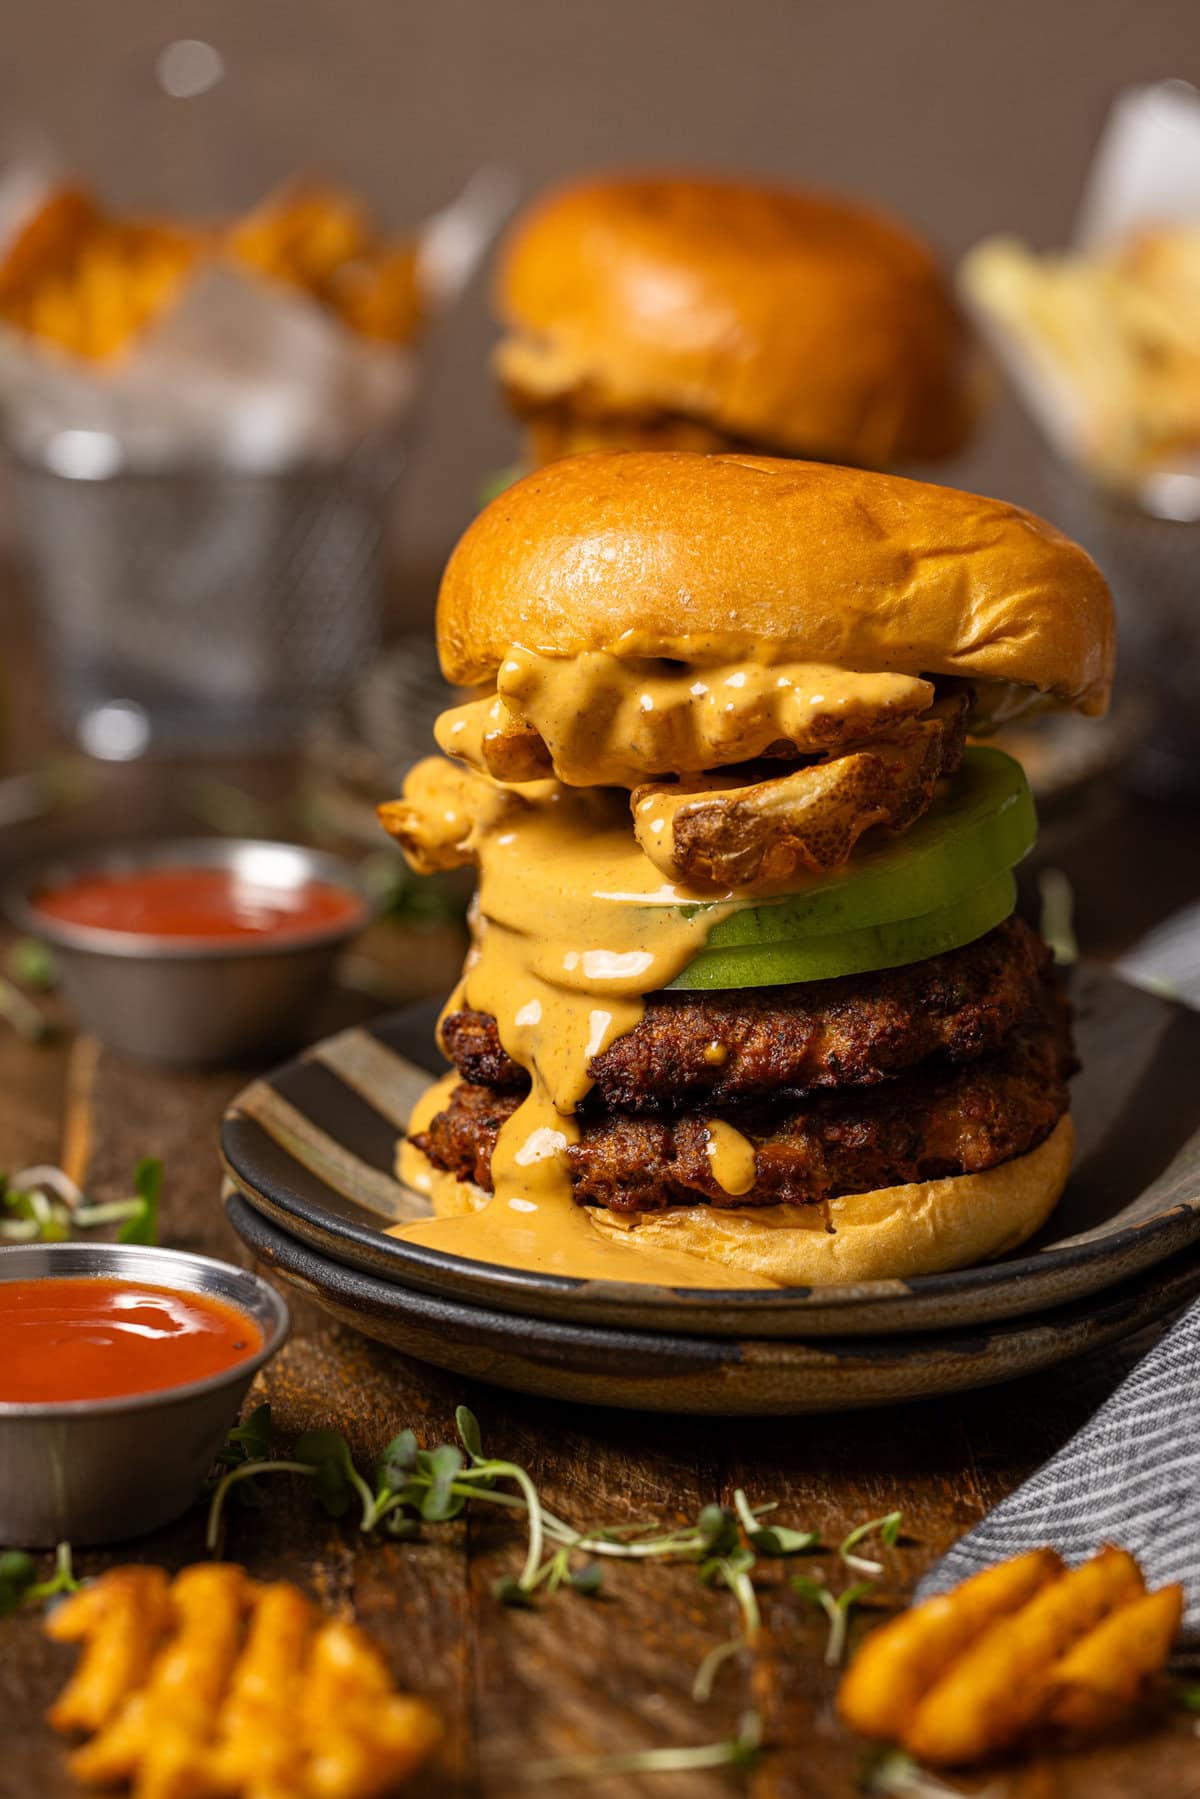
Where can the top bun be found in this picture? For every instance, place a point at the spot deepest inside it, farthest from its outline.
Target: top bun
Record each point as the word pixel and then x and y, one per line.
pixel 718 558
pixel 794 321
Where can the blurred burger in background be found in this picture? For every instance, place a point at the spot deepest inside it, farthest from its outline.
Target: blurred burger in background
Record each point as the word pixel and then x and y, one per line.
pixel 686 312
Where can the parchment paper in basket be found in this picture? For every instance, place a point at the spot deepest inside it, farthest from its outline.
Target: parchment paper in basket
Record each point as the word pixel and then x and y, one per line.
pixel 205 517
pixel 1146 168
pixel 241 374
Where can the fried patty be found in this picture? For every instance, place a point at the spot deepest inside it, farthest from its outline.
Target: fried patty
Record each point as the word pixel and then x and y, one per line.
pixel 933 1121
pixel 787 1041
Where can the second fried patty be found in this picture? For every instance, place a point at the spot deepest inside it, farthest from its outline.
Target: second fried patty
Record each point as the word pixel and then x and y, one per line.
pixel 786 1041
pixel 933 1121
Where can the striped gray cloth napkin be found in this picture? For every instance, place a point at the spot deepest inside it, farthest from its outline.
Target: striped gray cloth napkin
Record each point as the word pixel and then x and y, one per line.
pixel 1131 1476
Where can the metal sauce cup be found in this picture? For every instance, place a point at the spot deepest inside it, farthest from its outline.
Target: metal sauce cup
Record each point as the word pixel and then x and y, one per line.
pixel 102 1470
pixel 188 1002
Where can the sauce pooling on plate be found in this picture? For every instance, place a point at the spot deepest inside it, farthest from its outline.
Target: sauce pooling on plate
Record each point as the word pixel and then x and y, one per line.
pixel 213 904
pixel 85 1338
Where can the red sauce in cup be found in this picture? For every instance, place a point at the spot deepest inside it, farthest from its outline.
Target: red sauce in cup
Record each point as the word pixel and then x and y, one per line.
pixel 84 1338
pixel 210 904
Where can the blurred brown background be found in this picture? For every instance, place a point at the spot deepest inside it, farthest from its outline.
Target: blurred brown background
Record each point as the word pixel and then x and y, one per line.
pixel 966 118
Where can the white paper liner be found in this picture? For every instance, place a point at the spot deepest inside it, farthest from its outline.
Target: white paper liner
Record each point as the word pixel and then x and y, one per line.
pixel 1146 169
pixel 240 373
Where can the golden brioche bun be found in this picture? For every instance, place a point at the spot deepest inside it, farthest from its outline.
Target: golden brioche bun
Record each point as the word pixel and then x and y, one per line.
pixel 926 1227
pixel 793 320
pixel 712 558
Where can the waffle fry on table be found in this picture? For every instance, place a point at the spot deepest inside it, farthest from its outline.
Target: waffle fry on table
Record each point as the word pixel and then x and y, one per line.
pixel 213 1686
pixel 1023 1647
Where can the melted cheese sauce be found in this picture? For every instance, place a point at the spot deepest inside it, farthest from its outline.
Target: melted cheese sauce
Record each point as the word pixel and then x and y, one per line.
pixel 613 721
pixel 574 926
pixel 731 1156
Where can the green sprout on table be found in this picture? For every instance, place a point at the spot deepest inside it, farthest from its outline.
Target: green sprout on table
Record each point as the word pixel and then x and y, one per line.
pixel 891 1774
pixel 888 1530
pixel 19 1011
pixel 740 1754
pixel 411 1486
pixel 43 1204
pixel 20 1586
pixel 838 1606
pixel 32 963
pixel 1057 922
pixel 27 963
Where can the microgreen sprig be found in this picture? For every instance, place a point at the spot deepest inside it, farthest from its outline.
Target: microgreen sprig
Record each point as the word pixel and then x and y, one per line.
pixel 249 1441
pixel 18 1010
pixel 888 1528
pixel 740 1752
pixel 43 1204
pixel 837 1608
pixel 894 1775
pixel 412 1485
pixel 32 963
pixel 1186 1696
pixel 771 1539
pixel 19 1585
pixel 1057 922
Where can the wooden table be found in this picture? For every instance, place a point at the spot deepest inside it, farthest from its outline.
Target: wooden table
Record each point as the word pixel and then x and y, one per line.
pixel 575 1675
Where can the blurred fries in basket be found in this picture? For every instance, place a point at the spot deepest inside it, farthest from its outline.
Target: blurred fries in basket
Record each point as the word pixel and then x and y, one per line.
pixel 1023 1647
pixel 1119 331
pixel 321 240
pixel 90 283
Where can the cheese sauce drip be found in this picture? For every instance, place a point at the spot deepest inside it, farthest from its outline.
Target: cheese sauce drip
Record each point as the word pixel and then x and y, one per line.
pixel 573 927
pixel 611 721
pixel 731 1156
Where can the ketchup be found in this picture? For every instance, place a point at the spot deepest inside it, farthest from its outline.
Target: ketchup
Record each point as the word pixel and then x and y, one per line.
pixel 80 1338
pixel 213 904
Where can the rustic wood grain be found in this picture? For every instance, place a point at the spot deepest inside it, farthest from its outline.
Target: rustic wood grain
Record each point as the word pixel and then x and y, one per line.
pixel 576 1676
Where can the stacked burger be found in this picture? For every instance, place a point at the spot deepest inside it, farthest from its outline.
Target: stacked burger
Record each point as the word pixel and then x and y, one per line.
pixel 747 1000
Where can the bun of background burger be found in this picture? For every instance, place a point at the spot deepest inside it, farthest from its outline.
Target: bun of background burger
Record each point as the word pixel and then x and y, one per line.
pixel 674 311
pixel 704 559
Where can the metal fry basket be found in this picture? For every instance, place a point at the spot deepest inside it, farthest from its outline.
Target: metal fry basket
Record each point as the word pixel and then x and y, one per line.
pixel 203 609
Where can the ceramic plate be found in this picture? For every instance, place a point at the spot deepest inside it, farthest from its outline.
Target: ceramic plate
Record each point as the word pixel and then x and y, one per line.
pixel 312 1147
pixel 659 1371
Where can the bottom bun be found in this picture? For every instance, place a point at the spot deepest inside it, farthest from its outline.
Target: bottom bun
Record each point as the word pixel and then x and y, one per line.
pixel 925 1227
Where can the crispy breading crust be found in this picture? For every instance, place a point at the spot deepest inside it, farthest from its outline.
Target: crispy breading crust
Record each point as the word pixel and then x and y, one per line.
pixel 936 1120
pixel 854 1031
pixel 808 819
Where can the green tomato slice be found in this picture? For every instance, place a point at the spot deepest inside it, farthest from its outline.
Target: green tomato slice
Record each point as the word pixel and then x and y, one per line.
pixel 826 954
pixel 982 824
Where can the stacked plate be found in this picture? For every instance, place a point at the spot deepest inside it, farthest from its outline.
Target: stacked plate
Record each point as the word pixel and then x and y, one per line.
pixel 310 1150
